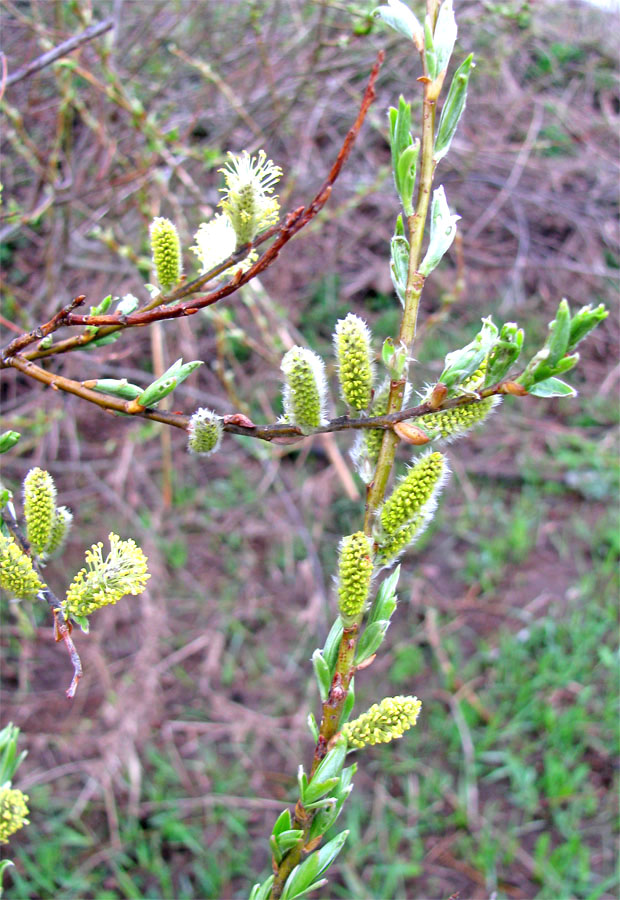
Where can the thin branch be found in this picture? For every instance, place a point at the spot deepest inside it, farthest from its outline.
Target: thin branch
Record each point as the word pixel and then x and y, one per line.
pixel 293 223
pixel 67 46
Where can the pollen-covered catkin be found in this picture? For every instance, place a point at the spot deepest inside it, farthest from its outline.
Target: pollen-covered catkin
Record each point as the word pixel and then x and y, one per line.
pixel 392 545
pixel 17 575
pixel 305 388
pixel 104 581
pixel 352 343
pixel 166 251
pixel 39 508
pixel 383 722
pixel 451 424
pixel 354 574
pixel 13 812
pixel 415 490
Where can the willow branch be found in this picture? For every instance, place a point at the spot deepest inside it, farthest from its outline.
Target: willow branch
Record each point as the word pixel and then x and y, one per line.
pixel 160 308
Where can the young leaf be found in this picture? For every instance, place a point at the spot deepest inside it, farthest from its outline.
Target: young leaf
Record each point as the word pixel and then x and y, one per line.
pixel 453 108
pixel 303 877
pixel 443 232
pixel 117 387
pixel 315 792
pixel 444 35
pixel 330 650
pixel 552 387
pixel 349 703
pixel 322 673
pixel 331 764
pixel 406 175
pixel 8 439
pixel 583 322
pixel 399 17
pixel 559 333
pixel 282 823
pixel 505 353
pixel 385 601
pixel 371 640
pixel 262 891
pixel 430 54
pixel 312 726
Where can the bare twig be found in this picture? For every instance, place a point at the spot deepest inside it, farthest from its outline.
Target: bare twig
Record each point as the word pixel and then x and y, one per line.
pixel 67 46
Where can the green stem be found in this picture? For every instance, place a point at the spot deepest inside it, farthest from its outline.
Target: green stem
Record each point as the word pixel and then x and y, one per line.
pixel 332 708
pixel 413 292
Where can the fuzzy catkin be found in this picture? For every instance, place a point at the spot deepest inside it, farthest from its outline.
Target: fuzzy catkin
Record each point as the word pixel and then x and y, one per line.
pixel 204 432
pixel 354 574
pixel 392 545
pixel 416 489
pixel 352 343
pixel 166 251
pixel 305 388
pixel 39 508
pixel 453 423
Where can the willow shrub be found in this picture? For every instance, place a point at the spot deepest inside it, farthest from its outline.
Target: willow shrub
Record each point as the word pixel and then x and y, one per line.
pixel 239 242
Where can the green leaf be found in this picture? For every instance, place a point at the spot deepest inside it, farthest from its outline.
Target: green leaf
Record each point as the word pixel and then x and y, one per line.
pixel 313 727
pixel 284 841
pixel 370 641
pixel 453 108
pixel 399 265
pixel 156 392
pixel 118 387
pixel 103 341
pixel 460 364
pixel 303 877
pixel 385 601
pixel 322 673
pixel 429 51
pixel 505 353
pixel 331 765
pixel 559 333
pixel 330 650
pixel 445 35
pixel 282 823
pixel 316 791
pixel 8 439
pixel 406 175
pixel 552 387
pixel 583 322
pixel 443 232
pixel 400 18
pixel 326 817
pixel 262 891
pixel 349 703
